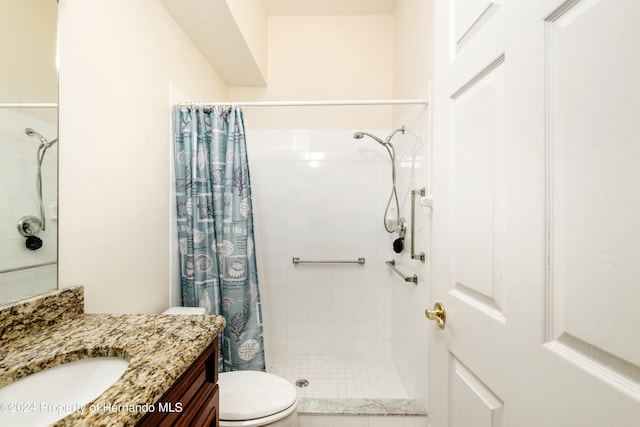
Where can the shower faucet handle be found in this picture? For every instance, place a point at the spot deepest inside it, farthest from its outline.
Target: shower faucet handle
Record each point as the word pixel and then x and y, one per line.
pixel 29 226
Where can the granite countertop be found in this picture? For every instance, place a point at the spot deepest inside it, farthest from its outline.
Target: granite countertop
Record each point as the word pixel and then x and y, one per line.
pixel 159 349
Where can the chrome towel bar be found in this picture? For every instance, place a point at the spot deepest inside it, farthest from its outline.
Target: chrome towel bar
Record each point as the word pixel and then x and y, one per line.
pixel 296 260
pixel 413 279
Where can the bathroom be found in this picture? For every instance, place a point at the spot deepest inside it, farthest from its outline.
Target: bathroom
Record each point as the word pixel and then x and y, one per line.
pixel 136 91
pixel 124 64
pixel 337 64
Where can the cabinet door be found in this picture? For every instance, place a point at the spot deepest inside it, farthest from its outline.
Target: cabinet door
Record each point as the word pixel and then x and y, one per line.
pixel 193 399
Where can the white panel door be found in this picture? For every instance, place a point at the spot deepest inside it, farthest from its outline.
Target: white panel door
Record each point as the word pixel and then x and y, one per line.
pixel 536 221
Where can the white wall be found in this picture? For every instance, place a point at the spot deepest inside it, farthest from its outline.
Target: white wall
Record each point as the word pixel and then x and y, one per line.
pixel 120 61
pixel 320 194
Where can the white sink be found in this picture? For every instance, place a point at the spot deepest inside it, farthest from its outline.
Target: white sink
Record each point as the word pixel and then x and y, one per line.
pixel 45 397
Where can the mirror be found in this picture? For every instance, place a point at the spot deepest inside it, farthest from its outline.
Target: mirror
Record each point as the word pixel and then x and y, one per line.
pixel 28 148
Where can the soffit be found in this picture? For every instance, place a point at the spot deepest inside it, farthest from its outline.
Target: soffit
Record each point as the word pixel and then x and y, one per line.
pixel 213 29
pixel 211 26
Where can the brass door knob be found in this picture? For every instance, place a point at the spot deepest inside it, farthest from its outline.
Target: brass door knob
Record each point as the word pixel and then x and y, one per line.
pixel 438 314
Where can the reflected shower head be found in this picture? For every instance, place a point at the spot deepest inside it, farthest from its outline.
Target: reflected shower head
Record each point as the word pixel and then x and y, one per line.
pixel 43 140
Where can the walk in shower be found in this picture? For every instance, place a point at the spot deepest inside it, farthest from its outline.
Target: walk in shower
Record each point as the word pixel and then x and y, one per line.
pixel 319 195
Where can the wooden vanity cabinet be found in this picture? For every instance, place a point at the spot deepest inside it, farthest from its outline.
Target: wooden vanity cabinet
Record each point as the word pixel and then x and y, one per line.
pixel 193 400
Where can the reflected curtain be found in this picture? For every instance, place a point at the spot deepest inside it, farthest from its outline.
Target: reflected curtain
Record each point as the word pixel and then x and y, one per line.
pixel 218 269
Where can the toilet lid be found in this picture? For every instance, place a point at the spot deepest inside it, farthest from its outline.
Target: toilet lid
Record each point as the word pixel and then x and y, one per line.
pixel 246 395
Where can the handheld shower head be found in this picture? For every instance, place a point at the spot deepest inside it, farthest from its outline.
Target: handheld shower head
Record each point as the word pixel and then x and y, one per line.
pixel 395 225
pixel 43 140
pixel 387 140
pixel 31 132
pixel 360 135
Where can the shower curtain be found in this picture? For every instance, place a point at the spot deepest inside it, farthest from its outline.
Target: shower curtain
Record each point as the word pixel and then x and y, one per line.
pixel 218 269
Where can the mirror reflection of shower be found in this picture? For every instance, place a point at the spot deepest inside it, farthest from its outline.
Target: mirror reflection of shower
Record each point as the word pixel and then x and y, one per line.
pixel 396 225
pixel 42 149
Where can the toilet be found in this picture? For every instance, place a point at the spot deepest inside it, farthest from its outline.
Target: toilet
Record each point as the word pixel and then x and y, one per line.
pixel 256 399
pixel 252 398
pixel 185 310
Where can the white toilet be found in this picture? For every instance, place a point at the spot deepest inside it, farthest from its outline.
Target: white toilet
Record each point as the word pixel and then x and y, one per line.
pixel 185 310
pixel 252 398
pixel 256 399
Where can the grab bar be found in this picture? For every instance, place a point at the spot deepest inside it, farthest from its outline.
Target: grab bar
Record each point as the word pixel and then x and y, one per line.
pixel 414 193
pixel 413 279
pixel 296 260
pixel 27 267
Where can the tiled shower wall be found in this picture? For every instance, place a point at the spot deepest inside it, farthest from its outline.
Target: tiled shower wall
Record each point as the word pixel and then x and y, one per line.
pixel 18 168
pixel 321 195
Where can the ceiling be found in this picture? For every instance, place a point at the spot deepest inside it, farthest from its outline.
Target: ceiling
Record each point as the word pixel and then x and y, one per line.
pixel 212 27
pixel 330 7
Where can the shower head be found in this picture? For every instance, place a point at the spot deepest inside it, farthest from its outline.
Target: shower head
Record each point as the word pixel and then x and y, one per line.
pixel 387 141
pixel 360 135
pixel 394 225
pixel 43 140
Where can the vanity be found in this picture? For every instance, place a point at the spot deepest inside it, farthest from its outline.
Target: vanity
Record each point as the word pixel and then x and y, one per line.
pixel 171 377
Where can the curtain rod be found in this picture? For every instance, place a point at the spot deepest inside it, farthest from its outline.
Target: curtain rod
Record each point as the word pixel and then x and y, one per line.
pixel 311 103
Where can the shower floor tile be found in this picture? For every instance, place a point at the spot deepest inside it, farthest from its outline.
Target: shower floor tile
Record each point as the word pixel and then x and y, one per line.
pixel 341 377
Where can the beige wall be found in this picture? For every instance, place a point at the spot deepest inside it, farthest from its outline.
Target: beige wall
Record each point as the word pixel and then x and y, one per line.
pixel 325 58
pixel 121 63
pixel 28 51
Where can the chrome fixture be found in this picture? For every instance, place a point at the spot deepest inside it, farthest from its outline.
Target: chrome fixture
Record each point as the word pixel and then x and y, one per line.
pixel 296 260
pixel 42 139
pixel 29 226
pixel 421 192
pixel 411 279
pixel 386 143
pixel 44 145
pixel 302 382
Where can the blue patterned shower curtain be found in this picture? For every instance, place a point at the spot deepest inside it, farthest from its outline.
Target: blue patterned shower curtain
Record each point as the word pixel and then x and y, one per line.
pixel 218 268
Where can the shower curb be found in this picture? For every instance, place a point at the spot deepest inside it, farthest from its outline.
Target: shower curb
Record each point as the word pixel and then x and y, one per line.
pixel 378 407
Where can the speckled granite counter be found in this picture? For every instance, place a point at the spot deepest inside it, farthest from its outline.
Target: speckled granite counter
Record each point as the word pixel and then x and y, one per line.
pixel 36 335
